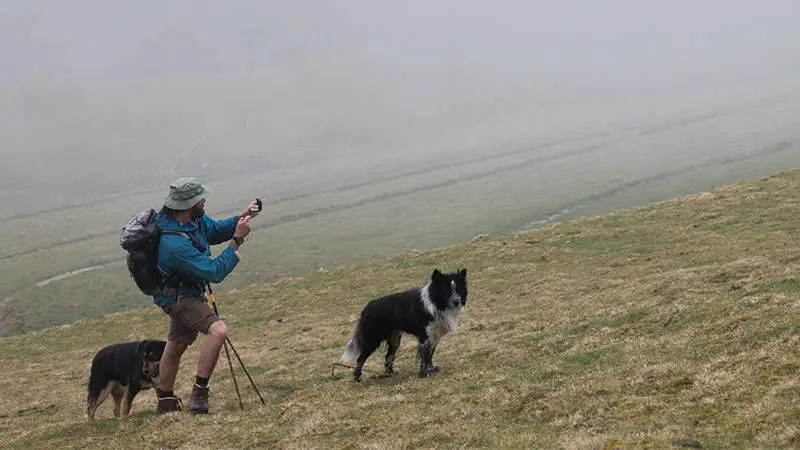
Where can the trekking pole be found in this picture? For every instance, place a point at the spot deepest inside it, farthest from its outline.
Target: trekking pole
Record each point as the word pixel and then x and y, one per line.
pixel 233 375
pixel 228 342
pixel 213 302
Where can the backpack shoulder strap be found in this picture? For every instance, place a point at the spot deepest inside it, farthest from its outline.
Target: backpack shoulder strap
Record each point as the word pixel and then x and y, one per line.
pixel 187 236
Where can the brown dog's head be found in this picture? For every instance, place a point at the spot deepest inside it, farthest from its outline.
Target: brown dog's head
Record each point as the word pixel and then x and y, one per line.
pixel 151 351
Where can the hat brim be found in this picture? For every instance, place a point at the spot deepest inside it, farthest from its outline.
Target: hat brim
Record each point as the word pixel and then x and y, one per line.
pixel 182 205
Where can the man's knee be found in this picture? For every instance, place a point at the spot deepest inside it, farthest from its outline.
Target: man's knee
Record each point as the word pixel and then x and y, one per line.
pixel 218 329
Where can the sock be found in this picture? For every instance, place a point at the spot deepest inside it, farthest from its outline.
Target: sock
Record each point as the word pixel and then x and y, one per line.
pixel 166 394
pixel 200 381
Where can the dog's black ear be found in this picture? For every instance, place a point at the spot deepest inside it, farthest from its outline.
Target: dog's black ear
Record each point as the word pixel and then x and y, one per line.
pixel 143 348
pixel 463 273
pixel 436 276
pixel 150 348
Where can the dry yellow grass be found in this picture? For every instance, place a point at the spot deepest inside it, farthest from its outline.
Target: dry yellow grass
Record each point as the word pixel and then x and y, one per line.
pixel 638 329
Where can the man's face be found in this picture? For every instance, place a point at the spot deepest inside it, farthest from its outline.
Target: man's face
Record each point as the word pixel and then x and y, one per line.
pixel 199 210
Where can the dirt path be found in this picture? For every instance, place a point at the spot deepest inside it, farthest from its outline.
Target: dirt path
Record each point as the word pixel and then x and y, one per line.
pixel 9 317
pixel 67 275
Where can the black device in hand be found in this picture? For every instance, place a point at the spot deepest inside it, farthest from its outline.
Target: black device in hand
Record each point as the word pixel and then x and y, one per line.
pixel 258 206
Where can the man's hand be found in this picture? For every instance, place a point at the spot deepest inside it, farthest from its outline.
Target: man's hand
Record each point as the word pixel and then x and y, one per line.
pixel 242 227
pixel 251 211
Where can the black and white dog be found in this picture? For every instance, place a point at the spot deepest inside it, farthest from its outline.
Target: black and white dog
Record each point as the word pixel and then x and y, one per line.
pixel 428 313
pixel 122 370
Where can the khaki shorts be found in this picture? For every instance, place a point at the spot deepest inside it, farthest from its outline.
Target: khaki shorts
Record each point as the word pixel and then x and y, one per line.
pixel 189 315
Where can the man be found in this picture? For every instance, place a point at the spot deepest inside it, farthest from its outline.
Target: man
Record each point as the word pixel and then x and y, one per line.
pixel 184 259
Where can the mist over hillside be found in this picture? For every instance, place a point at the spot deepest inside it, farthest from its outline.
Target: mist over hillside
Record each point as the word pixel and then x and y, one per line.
pixel 104 96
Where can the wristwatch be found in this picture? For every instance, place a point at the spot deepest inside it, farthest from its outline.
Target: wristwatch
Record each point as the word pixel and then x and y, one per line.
pixel 239 240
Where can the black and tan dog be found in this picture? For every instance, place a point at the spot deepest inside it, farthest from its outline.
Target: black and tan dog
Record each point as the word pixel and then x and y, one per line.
pixel 122 370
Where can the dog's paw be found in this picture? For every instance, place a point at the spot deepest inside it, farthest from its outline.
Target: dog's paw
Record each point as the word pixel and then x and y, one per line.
pixel 389 374
pixel 435 369
pixel 425 373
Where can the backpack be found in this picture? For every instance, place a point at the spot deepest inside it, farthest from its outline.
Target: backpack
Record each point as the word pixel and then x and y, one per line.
pixel 140 238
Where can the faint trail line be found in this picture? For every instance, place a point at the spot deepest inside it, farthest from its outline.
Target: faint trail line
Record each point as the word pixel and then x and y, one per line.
pixel 74 206
pixel 66 275
pixel 98 201
pixel 445 183
pixel 55 244
pixel 415 172
pixel 43 282
pixel 586 201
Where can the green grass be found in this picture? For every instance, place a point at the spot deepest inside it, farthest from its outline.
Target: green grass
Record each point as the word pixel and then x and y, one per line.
pixel 631 330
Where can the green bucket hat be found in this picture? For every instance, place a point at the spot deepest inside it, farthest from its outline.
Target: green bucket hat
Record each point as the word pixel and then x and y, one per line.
pixel 185 193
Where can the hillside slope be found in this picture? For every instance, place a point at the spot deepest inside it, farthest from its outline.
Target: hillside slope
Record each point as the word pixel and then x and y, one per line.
pixel 678 321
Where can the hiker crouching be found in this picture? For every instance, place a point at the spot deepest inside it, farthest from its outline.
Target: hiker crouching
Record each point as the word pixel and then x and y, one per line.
pixel 184 260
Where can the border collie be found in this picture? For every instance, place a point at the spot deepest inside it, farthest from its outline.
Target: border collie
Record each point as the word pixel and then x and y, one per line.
pixel 428 313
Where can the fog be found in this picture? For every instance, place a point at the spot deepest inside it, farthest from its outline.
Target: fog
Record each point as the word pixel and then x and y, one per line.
pixel 102 96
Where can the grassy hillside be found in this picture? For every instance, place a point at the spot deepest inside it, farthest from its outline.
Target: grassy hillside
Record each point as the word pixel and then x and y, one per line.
pixel 677 321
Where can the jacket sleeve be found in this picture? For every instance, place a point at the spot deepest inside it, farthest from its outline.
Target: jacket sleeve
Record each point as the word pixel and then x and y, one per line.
pixel 219 231
pixel 185 259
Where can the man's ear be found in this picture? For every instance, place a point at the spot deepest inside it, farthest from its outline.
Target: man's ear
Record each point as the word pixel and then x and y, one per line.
pixel 436 276
pixel 463 273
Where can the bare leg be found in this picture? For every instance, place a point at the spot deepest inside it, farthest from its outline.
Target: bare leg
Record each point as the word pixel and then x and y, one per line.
pixel 209 354
pixel 168 366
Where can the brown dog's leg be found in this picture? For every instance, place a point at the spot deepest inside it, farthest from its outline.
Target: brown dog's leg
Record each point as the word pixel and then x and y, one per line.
pixel 118 392
pixel 95 403
pixel 126 402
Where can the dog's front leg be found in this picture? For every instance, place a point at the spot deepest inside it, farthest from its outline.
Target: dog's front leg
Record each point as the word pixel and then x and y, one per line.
pixel 118 393
pixel 127 399
pixel 434 369
pixel 425 353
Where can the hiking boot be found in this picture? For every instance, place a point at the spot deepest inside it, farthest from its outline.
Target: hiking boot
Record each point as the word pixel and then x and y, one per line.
pixel 198 403
pixel 168 405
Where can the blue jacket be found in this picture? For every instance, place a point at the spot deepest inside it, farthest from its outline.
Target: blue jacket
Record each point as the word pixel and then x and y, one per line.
pixel 177 255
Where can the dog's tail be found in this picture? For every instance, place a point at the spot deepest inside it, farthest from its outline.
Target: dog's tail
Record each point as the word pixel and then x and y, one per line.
pixel 351 352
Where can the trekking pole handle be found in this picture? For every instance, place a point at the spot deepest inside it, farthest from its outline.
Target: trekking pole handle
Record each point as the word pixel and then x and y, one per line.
pixel 212 299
